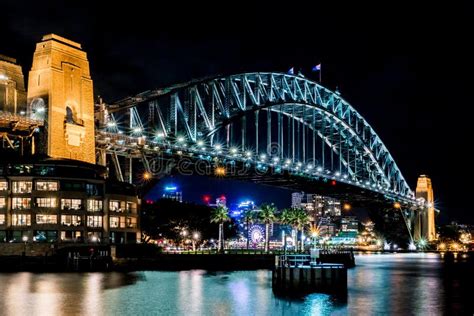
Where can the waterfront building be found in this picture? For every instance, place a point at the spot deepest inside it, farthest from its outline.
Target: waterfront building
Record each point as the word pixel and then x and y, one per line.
pixel 51 189
pixel 65 201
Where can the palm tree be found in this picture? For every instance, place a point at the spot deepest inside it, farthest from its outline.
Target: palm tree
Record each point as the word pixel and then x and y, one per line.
pixel 301 219
pixel 267 215
pixel 220 216
pixel 288 217
pixel 249 218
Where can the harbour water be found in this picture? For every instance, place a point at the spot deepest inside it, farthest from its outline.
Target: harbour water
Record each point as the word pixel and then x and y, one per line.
pixel 406 284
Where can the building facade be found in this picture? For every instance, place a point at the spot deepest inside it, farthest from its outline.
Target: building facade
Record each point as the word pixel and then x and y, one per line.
pixel 63 201
pixel 55 191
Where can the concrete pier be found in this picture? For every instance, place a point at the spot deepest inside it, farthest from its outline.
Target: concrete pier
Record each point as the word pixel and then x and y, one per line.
pixel 295 274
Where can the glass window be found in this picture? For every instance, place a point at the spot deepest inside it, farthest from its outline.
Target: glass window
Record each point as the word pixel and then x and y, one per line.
pixel 93 189
pixel 22 186
pixel 71 204
pixel 94 205
pixel 2 219
pixel 45 235
pixel 46 219
pixel 132 207
pixel 46 202
pixel 21 220
pixel 131 222
pixel 71 235
pixel 94 221
pixel 117 206
pixel 71 220
pixel 114 222
pixel 3 202
pixel 21 203
pixel 46 185
pixel 72 186
pixel 3 185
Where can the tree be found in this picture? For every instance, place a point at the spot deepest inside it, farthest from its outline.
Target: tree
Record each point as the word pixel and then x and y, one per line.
pixel 220 216
pixel 267 216
pixel 288 217
pixel 301 219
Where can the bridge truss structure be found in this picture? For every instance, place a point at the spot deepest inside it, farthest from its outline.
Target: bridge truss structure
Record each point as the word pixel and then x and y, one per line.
pixel 274 122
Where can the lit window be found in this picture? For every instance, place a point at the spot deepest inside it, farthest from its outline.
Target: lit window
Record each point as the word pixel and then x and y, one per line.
pixel 3 185
pixel 94 221
pixel 21 220
pixel 71 220
pixel 71 204
pixel 132 207
pixel 117 206
pixel 122 222
pixel 2 219
pixel 21 203
pixel 131 222
pixel 46 185
pixel 71 235
pixel 114 222
pixel 3 203
pixel 46 202
pixel 94 205
pixel 22 186
pixel 46 219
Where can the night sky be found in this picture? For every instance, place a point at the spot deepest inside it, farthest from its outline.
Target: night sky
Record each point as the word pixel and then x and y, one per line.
pixel 406 69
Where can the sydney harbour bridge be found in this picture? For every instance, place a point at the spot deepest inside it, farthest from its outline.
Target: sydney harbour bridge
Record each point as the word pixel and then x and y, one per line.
pixel 266 127
pixel 269 122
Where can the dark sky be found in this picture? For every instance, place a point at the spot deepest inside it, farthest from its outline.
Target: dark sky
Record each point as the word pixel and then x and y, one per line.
pixel 406 69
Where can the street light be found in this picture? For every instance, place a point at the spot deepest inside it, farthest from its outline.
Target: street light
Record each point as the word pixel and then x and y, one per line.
pixel 195 239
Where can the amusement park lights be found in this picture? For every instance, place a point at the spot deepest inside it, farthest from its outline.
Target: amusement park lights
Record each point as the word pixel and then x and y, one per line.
pixel 218 147
pixel 137 130
pixel 276 159
pixel 233 150
pixel 180 139
pixel 263 157
pixel 346 207
pixel 111 124
pixel 147 176
pixel 248 154
pixel 288 161
pixel 397 205
pixel 200 143
pixel 160 135
pixel 319 169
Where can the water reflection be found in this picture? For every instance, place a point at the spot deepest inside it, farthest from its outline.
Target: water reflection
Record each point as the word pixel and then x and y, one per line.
pixel 380 284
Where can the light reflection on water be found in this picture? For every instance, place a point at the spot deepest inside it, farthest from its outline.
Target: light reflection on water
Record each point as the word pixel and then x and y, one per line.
pixel 380 284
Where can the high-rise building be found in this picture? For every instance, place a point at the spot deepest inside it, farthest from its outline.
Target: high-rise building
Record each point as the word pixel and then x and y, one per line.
pixel 221 201
pixel 171 192
pixel 296 199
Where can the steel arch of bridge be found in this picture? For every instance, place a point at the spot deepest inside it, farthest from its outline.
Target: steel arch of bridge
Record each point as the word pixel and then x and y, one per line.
pixel 307 129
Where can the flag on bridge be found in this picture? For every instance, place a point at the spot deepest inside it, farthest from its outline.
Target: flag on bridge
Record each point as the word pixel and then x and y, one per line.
pixel 317 67
pixel 291 71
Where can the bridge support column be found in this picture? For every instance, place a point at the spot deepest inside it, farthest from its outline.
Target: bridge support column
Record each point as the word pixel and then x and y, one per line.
pixel 425 217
